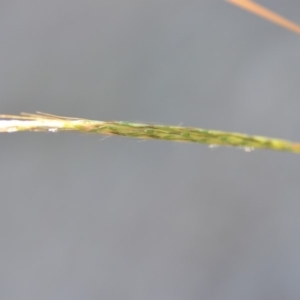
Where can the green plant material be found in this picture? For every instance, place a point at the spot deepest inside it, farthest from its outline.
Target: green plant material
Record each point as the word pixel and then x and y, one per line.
pixel 52 123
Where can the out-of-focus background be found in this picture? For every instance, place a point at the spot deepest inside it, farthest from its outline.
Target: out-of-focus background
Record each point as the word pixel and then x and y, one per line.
pixel 83 217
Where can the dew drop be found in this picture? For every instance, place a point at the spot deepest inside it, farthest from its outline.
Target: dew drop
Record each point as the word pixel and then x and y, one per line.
pixel 12 129
pixel 52 129
pixel 248 149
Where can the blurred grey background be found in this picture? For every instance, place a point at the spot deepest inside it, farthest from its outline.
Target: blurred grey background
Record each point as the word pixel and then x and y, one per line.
pixel 83 217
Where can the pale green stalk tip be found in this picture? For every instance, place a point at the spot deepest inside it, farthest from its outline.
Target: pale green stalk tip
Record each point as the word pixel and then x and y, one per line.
pixel 52 123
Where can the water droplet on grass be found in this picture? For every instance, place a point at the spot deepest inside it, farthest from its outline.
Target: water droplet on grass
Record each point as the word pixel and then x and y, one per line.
pixel 12 129
pixel 248 149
